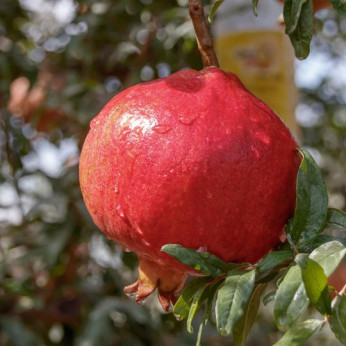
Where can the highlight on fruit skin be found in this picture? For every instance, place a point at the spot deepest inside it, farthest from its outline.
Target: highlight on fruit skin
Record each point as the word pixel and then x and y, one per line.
pixel 192 159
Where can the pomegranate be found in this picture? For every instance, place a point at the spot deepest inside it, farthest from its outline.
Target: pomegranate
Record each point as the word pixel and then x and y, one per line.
pixel 193 159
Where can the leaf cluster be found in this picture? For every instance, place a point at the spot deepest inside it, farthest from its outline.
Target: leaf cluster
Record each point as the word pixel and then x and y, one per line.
pixel 299 270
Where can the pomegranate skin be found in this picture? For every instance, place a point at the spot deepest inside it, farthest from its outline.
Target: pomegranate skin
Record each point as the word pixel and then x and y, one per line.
pixel 192 159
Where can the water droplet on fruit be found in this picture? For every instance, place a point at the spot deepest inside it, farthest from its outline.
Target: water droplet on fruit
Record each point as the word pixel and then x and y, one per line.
pixel 162 128
pixel 120 212
pixel 187 119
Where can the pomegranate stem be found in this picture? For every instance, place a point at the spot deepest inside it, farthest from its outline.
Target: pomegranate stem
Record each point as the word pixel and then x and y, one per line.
pixel 204 38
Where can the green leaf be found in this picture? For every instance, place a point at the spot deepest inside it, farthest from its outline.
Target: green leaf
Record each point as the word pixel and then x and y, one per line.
pixel 292 16
pixel 203 262
pixel 273 259
pixel 288 231
pixel 298 14
pixel 329 256
pixel 263 279
pixel 299 333
pixel 311 201
pixel 270 266
pixel 336 218
pixel 291 299
pixel 194 306
pixel 269 297
pixel 339 6
pixel 338 318
pixel 320 240
pixel 210 293
pixel 283 274
pixel 254 7
pixel 213 10
pixel 182 307
pixel 243 327
pixel 233 298
pixel 315 282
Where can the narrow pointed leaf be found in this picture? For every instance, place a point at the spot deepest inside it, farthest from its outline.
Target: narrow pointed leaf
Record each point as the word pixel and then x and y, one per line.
pixel 315 282
pixel 292 14
pixel 204 262
pixel 273 259
pixel 254 7
pixel 337 320
pixel 196 300
pixel 243 327
pixel 311 201
pixel 329 255
pixel 210 293
pixel 233 298
pixel 299 333
pixel 265 278
pixel 283 275
pixel 336 218
pixel 300 30
pixel 291 299
pixel 183 305
pixel 200 332
pixel 213 10
pixel 320 240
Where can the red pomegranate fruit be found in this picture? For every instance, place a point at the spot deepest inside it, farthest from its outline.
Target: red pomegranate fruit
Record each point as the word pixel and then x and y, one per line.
pixel 192 159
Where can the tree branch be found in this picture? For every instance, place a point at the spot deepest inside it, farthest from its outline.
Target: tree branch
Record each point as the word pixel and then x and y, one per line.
pixel 204 39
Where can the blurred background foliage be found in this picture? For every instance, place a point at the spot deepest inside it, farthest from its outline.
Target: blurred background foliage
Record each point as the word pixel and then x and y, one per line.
pixel 61 280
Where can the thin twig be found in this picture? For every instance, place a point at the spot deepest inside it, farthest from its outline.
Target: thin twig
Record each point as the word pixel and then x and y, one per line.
pixel 204 39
